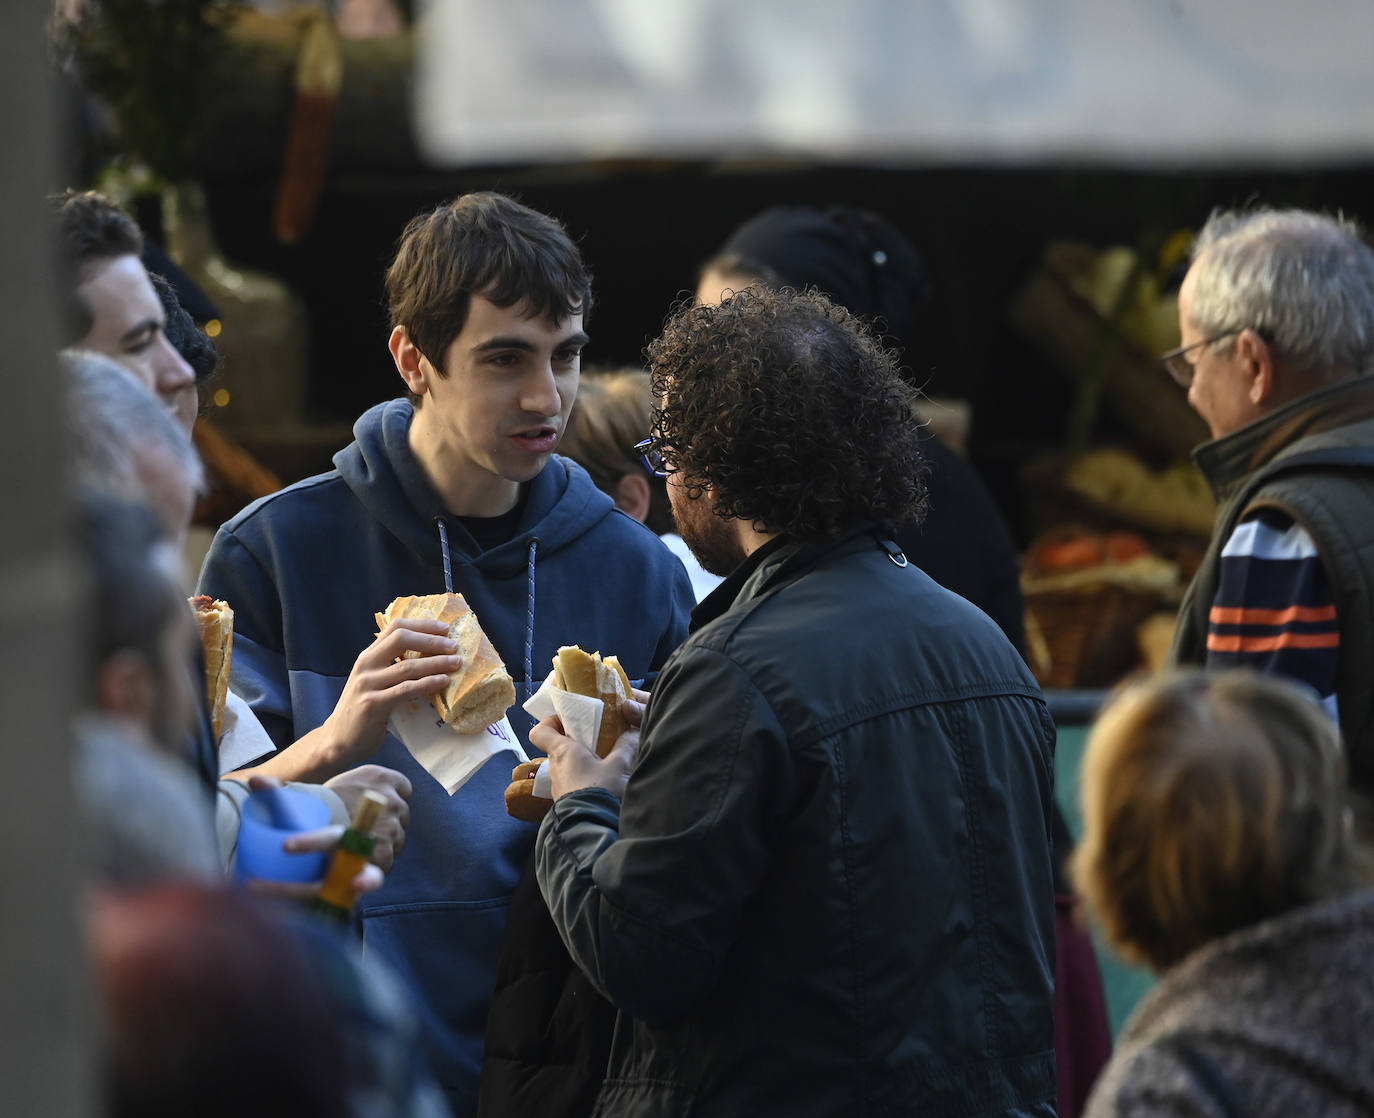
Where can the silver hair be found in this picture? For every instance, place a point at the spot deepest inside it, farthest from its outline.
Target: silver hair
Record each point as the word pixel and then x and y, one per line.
pixel 1304 281
pixel 110 416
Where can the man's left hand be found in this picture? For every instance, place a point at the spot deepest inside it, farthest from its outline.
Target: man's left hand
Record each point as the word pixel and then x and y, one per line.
pixel 573 766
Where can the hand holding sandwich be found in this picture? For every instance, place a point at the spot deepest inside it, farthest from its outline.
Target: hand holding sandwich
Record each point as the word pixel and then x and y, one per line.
pixel 573 766
pixel 383 677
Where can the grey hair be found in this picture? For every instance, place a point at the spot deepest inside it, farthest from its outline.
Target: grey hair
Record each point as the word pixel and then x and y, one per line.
pixel 1302 280
pixel 109 416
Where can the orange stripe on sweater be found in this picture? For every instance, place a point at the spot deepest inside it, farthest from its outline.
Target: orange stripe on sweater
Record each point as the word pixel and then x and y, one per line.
pixel 1224 616
pixel 1223 643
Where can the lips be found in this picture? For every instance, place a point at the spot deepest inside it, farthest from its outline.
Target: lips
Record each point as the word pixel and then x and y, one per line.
pixel 537 440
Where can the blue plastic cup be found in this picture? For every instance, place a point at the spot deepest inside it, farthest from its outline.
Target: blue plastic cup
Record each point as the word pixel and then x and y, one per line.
pixel 268 819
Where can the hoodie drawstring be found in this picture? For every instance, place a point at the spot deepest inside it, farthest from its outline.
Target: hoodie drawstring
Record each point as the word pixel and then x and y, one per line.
pixel 529 625
pixel 443 549
pixel 530 685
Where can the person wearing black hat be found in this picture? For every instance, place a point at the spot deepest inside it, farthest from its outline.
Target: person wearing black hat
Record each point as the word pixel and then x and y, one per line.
pixel 866 265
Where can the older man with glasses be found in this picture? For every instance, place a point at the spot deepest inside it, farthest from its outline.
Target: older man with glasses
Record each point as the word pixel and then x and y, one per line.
pixel 1276 316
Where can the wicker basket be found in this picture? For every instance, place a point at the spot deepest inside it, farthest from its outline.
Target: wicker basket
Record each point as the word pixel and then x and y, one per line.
pixel 1082 626
pixel 1086 638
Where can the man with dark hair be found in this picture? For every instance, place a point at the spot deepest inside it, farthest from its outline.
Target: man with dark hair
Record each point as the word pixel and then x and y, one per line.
pixel 867 265
pixel 458 490
pixel 114 309
pixel 825 887
pixel 1276 317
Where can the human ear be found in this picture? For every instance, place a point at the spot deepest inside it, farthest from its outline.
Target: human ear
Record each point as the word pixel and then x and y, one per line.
pixel 632 495
pixel 1258 361
pixel 410 362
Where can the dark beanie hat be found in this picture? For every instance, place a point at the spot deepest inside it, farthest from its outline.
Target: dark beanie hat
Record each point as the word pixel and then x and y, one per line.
pixel 857 258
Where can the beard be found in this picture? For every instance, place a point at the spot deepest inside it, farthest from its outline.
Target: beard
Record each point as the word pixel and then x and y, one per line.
pixel 708 537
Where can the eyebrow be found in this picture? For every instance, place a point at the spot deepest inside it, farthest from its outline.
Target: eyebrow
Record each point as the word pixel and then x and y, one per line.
pixel 579 339
pixel 140 328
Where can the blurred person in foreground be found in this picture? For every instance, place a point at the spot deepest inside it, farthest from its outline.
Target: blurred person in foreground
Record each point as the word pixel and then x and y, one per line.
pixel 868 266
pixel 146 816
pixel 123 442
pixel 823 884
pixel 186 1017
pixel 212 1003
pixel 1218 850
pixel 1276 317
pixel 610 418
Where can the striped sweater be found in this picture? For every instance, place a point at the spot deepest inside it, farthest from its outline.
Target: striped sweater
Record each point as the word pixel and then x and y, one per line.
pixel 1274 610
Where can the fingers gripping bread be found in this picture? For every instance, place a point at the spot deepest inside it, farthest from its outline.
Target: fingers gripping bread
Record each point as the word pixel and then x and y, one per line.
pixel 480 692
pixel 583 674
pixel 215 620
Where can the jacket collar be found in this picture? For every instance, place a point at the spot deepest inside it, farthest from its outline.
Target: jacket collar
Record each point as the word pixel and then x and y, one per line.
pixel 1227 461
pixel 779 558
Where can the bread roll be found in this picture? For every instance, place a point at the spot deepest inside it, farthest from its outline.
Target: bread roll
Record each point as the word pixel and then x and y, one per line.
pixel 215 620
pixel 582 673
pixel 585 673
pixel 480 692
pixel 521 802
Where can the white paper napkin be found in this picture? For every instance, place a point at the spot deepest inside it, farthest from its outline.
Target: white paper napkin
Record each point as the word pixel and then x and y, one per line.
pixel 580 714
pixel 581 717
pixel 242 739
pixel 543 782
pixel 451 758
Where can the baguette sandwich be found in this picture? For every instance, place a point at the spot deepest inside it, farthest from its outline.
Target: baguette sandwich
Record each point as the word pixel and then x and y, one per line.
pixel 215 621
pixel 582 673
pixel 480 692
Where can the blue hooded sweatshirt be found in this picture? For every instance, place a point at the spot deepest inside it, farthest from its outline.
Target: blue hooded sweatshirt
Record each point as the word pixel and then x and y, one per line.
pixel 305 570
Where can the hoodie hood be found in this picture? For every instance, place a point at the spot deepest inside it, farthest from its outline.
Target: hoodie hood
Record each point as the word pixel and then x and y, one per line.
pixel 562 504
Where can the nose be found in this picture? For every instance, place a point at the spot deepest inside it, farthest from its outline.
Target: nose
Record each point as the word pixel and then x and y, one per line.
pixel 541 395
pixel 172 373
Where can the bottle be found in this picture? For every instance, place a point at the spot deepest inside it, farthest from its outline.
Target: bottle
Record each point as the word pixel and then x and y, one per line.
pixel 336 898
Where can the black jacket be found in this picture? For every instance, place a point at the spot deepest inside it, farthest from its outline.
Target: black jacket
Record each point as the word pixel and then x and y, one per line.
pixel 828 890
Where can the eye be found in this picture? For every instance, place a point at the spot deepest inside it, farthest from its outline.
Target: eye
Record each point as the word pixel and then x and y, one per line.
pixel 506 360
pixel 567 356
pixel 143 342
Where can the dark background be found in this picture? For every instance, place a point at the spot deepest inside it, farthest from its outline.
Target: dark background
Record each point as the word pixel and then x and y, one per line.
pixel 645 228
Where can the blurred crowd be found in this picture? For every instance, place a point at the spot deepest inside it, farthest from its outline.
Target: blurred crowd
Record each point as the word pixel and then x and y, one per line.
pixel 824 872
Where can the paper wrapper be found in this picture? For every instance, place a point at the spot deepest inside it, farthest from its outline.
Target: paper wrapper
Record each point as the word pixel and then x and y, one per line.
pixel 449 757
pixel 580 715
pixel 242 739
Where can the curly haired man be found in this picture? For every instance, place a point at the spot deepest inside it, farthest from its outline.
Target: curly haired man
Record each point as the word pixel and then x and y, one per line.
pixel 821 884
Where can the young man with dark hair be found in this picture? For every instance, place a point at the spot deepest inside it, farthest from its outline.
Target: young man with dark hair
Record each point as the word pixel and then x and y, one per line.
pixel 825 886
pixel 113 308
pixel 460 489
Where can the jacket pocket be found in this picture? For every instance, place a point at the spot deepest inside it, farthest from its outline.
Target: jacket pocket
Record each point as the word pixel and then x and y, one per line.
pixel 644 1098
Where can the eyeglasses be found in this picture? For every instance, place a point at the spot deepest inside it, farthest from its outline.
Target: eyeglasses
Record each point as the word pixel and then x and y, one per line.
pixel 1180 368
pixel 652 459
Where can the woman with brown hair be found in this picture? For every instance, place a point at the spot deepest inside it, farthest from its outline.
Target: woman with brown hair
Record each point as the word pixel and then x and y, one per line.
pixel 611 415
pixel 1218 849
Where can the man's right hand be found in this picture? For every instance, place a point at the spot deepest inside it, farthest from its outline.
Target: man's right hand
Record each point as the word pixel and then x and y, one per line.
pixel 379 682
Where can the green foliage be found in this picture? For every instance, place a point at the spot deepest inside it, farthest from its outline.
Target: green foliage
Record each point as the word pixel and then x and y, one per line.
pixel 154 63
